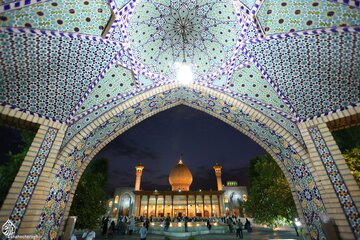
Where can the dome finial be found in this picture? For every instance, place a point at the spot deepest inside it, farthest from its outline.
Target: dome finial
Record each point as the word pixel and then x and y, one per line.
pixel 181 159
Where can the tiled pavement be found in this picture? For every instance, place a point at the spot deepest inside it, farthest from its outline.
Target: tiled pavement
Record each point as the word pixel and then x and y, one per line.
pixel 255 235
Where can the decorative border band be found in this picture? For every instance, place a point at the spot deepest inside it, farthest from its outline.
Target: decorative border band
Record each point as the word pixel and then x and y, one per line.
pixel 305 33
pixel 19 4
pixel 33 176
pixel 6 105
pixel 348 205
pixel 351 3
pixel 58 34
pixel 132 93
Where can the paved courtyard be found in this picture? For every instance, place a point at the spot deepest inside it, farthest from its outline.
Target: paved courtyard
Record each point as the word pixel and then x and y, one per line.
pixel 255 235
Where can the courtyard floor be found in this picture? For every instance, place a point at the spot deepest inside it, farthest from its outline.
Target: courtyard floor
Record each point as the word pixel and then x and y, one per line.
pixel 255 235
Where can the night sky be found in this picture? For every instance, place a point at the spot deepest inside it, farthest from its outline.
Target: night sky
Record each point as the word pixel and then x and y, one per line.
pixel 158 142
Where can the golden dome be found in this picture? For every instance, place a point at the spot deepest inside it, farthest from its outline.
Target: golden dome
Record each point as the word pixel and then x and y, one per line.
pixel 180 177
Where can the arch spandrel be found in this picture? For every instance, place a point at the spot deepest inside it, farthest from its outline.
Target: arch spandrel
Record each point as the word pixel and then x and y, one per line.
pixel 34 89
pixel 271 136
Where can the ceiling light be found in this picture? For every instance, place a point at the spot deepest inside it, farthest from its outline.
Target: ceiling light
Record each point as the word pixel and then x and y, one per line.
pixel 184 75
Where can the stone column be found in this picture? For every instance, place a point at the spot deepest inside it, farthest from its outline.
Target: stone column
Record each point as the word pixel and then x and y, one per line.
pixel 147 206
pixel 25 199
pixel 195 205
pixel 203 208
pixel 337 186
pixel 140 198
pixel 187 205
pixel 211 205
pixel 164 206
pixel 156 199
pixel 219 205
pixel 172 206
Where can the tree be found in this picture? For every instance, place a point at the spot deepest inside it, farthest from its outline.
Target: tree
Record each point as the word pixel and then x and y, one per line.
pixel 9 170
pixel 352 158
pixel 347 138
pixel 348 141
pixel 90 197
pixel 270 199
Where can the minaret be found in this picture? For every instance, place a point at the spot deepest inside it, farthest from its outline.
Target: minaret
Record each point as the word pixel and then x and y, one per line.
pixel 139 168
pixel 217 169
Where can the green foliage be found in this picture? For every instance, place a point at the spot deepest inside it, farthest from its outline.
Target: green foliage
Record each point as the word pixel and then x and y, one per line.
pixel 352 158
pixel 348 141
pixel 192 238
pixel 270 200
pixel 90 198
pixel 9 170
pixel 347 138
pixel 166 238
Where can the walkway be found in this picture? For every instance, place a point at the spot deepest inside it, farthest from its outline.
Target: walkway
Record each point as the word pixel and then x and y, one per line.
pixel 255 235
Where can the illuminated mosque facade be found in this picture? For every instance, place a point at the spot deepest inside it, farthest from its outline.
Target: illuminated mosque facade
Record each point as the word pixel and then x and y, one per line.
pixel 180 201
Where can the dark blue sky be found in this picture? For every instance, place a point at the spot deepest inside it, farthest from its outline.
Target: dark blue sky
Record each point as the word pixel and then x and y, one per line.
pixel 158 142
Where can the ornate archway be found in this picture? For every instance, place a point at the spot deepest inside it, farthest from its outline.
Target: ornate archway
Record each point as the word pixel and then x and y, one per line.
pixel 85 80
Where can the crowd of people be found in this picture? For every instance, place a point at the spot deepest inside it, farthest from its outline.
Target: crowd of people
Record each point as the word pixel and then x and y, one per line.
pixel 236 222
pixel 127 225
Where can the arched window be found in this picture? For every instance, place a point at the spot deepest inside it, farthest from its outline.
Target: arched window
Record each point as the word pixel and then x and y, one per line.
pixel 110 204
pixel 114 212
pixel 116 199
pixel 226 199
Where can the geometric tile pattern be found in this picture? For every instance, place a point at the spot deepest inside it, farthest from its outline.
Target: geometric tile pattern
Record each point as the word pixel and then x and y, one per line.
pixel 59 193
pixel 316 73
pixel 345 199
pixel 251 82
pixel 286 123
pixel 88 17
pixel 87 118
pixel 55 74
pixel 289 16
pixel 32 179
pixel 210 36
pixel 117 80
pixel 306 189
pixel 50 80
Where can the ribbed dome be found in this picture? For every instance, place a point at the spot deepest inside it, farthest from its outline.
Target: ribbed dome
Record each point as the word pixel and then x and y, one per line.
pixel 180 177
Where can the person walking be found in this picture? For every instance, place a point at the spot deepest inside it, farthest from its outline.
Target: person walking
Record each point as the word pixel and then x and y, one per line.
pixel 105 223
pixel 73 237
pixel 88 235
pixel 230 224
pixel 111 229
pixel 239 229
pixel 186 224
pixel 131 225
pixel 143 232
pixel 248 225
pixel 167 224
pixel 208 223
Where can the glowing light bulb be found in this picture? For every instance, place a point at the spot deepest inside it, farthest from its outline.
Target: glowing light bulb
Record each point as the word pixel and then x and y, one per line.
pixel 184 74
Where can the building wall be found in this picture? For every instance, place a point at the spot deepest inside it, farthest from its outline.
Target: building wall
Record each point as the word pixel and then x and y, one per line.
pixel 162 204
